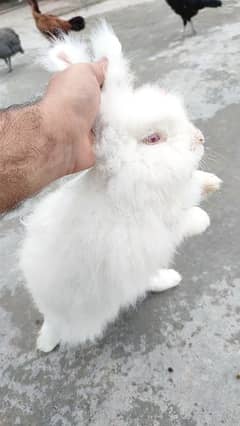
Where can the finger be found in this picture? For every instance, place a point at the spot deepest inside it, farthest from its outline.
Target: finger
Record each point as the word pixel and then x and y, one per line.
pixel 100 69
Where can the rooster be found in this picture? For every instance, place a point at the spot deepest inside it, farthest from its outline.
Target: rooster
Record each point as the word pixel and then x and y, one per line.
pixel 189 8
pixel 53 27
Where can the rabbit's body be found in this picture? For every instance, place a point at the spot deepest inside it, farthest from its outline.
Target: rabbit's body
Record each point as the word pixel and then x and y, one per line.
pixel 103 240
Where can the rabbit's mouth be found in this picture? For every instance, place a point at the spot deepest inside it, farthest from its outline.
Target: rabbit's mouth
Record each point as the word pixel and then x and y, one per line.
pixel 198 151
pixel 198 137
pixel 198 141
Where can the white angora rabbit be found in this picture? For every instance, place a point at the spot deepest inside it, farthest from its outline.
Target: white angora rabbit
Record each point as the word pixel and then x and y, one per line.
pixel 107 237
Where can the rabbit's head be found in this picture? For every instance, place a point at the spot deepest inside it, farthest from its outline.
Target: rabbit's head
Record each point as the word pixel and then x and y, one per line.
pixel 150 129
pixel 161 123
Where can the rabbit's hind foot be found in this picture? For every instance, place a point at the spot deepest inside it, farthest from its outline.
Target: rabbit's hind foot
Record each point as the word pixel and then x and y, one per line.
pixel 47 339
pixel 164 279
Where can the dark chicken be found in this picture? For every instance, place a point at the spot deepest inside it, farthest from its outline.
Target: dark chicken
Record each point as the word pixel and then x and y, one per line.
pixel 53 27
pixel 9 45
pixel 189 8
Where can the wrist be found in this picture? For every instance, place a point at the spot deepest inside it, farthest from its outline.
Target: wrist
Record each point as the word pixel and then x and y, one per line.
pixel 30 159
pixel 69 137
pixel 57 140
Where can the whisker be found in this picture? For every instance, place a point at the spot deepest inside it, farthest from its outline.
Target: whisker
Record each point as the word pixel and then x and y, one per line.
pixel 212 157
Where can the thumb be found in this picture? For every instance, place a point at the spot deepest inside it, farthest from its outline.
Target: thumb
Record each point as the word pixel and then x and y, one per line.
pixel 100 69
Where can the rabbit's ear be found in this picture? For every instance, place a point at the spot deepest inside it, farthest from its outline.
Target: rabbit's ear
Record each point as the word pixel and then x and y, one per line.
pixel 105 43
pixel 65 52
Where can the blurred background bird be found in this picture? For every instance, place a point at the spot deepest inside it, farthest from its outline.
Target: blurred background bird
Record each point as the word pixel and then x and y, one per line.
pixel 189 8
pixel 53 27
pixel 10 44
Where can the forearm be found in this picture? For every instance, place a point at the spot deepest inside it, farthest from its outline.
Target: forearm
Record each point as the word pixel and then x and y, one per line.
pixel 30 156
pixel 53 137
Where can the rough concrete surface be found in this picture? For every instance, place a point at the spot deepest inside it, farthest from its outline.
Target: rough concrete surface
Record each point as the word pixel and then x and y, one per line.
pixel 174 359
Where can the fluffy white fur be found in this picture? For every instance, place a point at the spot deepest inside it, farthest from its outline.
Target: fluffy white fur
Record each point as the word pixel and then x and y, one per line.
pixel 103 240
pixel 68 50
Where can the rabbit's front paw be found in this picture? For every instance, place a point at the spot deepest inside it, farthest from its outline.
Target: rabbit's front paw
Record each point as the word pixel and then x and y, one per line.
pixel 196 222
pixel 47 339
pixel 164 279
pixel 212 183
pixel 208 182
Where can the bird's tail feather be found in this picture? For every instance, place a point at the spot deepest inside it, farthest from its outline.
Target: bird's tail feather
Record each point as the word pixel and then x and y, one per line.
pixel 210 3
pixel 77 23
pixel 34 5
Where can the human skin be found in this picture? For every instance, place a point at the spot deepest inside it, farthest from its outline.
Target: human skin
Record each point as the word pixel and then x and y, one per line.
pixel 42 142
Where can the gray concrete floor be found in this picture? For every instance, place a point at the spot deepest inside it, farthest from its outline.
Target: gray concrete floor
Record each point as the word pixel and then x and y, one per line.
pixel 124 379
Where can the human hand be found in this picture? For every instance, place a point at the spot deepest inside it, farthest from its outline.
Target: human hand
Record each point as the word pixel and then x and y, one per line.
pixel 69 109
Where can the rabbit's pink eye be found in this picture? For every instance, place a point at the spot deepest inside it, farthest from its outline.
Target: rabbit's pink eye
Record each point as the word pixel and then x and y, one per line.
pixel 154 138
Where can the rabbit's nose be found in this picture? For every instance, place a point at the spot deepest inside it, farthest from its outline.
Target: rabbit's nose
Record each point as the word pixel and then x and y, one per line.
pixel 198 137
